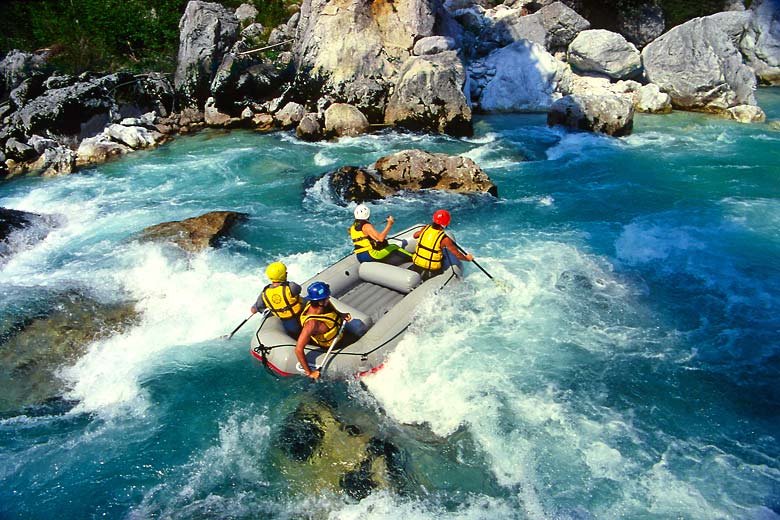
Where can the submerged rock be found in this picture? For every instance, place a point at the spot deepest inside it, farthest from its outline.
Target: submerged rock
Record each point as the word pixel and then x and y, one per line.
pixel 318 452
pixel 20 230
pixel 194 234
pixel 33 351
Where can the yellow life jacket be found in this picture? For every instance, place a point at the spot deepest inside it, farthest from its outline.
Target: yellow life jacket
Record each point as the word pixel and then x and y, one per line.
pixel 359 238
pixel 428 253
pixel 332 318
pixel 281 301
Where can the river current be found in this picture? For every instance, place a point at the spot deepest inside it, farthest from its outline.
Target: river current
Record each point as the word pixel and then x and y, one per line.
pixel 625 365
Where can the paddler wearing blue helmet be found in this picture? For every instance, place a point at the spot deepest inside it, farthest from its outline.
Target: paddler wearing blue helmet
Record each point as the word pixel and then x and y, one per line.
pixel 320 324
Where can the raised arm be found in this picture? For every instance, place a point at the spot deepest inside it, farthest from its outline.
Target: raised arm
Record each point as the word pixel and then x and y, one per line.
pixel 450 245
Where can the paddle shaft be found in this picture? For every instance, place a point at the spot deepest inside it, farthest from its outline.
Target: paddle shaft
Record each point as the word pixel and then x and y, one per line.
pixel 335 340
pixel 265 314
pixel 473 261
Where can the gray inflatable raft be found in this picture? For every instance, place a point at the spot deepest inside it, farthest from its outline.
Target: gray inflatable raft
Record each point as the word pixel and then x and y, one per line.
pixel 381 298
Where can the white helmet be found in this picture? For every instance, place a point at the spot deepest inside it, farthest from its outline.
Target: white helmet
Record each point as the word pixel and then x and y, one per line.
pixel 362 212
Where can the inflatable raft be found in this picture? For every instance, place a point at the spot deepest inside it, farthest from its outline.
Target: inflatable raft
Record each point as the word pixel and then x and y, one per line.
pixel 381 298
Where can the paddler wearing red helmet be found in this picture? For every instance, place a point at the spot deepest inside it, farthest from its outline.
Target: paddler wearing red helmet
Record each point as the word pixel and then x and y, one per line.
pixel 429 254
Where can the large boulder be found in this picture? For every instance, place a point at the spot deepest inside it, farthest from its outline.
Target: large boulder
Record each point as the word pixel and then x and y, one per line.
pixel 206 32
pixel 604 52
pixel 417 169
pixel 434 45
pixel 343 120
pixel 525 78
pixel 408 170
pixel 429 95
pixel 194 234
pixel 352 49
pixel 761 41
pixel 700 65
pixel 611 115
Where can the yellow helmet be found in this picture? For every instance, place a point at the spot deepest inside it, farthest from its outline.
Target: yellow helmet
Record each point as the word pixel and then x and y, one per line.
pixel 276 272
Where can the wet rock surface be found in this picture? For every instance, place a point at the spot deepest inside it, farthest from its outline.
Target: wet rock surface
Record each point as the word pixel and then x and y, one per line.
pixel 194 234
pixel 408 170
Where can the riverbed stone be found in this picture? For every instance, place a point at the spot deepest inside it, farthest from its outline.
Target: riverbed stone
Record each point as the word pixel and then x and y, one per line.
pixel 747 114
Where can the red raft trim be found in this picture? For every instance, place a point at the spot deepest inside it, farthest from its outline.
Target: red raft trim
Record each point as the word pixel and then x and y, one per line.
pixel 270 365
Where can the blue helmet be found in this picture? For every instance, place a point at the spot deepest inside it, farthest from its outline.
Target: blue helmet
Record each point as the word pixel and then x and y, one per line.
pixel 318 291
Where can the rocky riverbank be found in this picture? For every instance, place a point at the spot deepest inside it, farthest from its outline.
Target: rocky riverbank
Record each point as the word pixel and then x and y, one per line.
pixel 345 68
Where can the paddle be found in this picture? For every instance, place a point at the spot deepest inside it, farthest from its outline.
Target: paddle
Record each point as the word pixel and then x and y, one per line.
pixel 228 336
pixel 497 282
pixel 335 340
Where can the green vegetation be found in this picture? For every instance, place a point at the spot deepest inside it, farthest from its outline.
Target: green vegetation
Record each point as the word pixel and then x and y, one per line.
pixel 136 35
pixel 680 11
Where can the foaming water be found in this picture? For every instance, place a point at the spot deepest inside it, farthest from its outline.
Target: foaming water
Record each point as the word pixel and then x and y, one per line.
pixel 621 364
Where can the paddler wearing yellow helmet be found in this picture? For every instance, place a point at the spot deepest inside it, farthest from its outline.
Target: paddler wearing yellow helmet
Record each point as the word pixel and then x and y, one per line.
pixel 282 298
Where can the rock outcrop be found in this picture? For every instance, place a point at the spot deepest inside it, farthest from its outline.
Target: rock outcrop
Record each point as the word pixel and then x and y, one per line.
pixel 417 169
pixel 611 115
pixel 193 234
pixel 352 50
pixel 206 32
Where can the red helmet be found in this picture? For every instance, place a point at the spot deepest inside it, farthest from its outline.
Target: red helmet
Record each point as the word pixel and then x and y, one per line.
pixel 442 218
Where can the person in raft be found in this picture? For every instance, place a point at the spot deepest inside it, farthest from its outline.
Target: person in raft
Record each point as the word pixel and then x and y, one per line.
pixel 371 245
pixel 429 254
pixel 282 298
pixel 320 324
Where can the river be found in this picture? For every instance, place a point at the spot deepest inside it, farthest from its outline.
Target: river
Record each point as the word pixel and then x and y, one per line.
pixel 624 366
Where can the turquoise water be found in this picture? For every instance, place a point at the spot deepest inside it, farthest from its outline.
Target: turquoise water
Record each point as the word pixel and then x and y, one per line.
pixel 628 369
